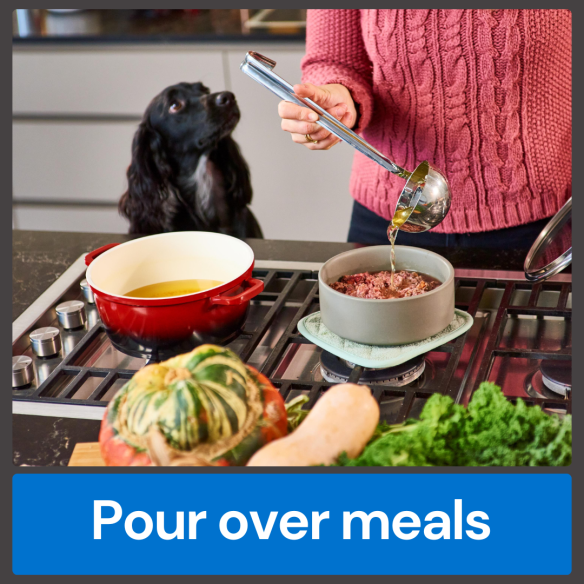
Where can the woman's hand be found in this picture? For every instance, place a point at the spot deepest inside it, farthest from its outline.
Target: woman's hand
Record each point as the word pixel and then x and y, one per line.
pixel 299 121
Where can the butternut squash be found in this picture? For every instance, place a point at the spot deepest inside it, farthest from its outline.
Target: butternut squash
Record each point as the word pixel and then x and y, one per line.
pixel 342 420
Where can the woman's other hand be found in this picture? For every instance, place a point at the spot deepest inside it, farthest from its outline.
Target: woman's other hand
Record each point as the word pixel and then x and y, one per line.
pixel 300 121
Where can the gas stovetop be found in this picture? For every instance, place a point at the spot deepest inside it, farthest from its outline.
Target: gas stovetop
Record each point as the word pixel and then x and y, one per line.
pixel 521 339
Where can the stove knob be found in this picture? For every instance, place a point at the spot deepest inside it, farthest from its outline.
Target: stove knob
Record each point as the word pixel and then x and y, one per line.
pixel 71 314
pixel 22 371
pixel 45 341
pixel 87 292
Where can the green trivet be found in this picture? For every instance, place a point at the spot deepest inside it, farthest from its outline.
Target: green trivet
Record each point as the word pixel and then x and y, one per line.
pixel 375 357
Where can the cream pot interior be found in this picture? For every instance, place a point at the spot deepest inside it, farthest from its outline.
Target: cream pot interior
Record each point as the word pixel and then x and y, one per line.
pixel 169 256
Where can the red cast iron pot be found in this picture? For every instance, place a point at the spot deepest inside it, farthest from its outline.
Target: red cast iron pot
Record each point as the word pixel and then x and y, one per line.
pixel 144 325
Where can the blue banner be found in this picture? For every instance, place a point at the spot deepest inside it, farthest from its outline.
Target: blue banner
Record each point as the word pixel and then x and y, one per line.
pixel 291 524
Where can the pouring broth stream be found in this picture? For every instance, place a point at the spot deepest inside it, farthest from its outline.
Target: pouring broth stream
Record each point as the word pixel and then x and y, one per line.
pixel 399 218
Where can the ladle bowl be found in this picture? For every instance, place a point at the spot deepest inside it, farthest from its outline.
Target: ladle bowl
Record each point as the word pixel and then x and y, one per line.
pixel 426 194
pixel 427 197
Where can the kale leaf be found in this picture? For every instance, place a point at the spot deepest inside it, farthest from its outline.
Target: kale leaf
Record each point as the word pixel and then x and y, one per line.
pixel 490 432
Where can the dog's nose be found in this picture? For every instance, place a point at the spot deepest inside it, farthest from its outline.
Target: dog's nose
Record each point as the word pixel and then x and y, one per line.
pixel 224 98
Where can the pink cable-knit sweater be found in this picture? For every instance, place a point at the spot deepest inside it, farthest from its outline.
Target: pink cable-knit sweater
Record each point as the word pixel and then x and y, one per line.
pixel 484 95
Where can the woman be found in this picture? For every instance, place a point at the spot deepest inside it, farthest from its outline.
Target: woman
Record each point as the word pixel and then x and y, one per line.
pixel 483 95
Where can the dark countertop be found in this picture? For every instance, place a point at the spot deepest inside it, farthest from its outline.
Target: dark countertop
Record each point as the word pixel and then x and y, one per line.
pixel 40 257
pixel 47 441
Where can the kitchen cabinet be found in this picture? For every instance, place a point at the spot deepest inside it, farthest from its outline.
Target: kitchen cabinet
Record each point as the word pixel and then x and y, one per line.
pixel 105 81
pixel 87 219
pixel 76 108
pixel 75 161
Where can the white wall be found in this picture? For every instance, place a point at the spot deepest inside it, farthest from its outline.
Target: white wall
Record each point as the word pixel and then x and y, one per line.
pixel 77 108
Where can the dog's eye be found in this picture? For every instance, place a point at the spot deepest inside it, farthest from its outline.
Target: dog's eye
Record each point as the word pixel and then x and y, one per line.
pixel 175 106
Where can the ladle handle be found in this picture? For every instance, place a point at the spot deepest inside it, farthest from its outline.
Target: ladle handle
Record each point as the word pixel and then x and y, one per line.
pixel 259 68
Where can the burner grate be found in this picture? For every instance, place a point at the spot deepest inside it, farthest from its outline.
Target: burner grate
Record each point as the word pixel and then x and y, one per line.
pixel 539 310
pixel 271 342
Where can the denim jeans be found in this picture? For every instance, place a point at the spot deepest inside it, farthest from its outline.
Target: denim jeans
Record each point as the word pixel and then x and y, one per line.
pixel 369 228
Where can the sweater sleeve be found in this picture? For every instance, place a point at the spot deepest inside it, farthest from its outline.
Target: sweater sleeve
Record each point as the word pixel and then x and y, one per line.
pixel 335 53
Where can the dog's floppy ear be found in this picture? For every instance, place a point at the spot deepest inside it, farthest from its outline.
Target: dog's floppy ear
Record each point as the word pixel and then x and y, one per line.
pixel 236 172
pixel 149 184
pixel 233 193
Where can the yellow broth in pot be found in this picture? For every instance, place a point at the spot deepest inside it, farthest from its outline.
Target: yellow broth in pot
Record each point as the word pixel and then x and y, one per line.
pixel 173 288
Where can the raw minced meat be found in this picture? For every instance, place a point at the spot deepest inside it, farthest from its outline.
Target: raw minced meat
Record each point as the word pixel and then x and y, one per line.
pixel 377 285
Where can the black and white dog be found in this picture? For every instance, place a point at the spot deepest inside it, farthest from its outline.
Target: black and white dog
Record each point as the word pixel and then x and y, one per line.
pixel 187 173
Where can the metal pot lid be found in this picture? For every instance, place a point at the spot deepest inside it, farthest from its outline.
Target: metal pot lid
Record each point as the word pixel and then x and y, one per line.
pixel 552 250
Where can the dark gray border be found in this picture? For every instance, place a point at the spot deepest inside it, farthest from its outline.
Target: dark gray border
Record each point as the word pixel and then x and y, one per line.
pixel 547 503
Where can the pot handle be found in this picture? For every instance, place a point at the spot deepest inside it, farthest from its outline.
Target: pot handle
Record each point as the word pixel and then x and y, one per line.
pixel 93 254
pixel 256 286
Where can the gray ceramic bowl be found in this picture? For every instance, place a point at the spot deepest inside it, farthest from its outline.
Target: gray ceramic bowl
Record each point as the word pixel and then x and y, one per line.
pixel 394 321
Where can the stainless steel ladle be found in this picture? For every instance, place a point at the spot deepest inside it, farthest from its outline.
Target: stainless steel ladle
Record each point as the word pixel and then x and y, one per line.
pixel 425 199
